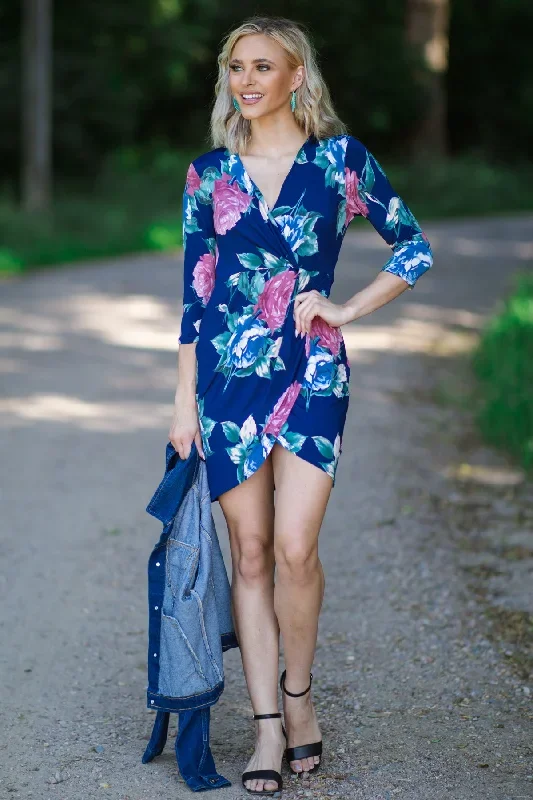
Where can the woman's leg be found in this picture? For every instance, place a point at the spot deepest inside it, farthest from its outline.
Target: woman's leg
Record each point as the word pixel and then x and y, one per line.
pixel 302 493
pixel 249 512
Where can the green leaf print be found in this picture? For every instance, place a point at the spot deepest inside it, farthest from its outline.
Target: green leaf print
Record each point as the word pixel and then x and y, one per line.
pixel 294 440
pixel 262 366
pixel 325 446
pixel 231 320
pixel 243 284
pixel 190 225
pixel 329 468
pixel 368 178
pixel 220 342
pixel 231 431
pixel 280 211
pixel 233 280
pixel 310 244
pixel 272 262
pixel 206 427
pixel 204 195
pixel 242 372
pixel 237 453
pixel 273 348
pixel 303 278
pixel 341 217
pixel 250 260
pixel 322 159
pixel 257 284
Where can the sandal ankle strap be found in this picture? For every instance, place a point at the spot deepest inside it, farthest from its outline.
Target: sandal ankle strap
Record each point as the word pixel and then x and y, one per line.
pixel 292 694
pixel 267 716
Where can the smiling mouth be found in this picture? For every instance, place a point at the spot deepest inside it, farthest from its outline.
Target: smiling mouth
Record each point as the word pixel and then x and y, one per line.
pixel 251 97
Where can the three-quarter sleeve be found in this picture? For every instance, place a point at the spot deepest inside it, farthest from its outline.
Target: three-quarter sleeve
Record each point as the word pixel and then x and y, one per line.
pixel 199 254
pixel 368 193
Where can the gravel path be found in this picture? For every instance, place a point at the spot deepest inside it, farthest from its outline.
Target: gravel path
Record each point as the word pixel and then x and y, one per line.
pixel 424 667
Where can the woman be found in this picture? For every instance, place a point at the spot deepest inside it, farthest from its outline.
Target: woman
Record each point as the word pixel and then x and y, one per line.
pixel 263 380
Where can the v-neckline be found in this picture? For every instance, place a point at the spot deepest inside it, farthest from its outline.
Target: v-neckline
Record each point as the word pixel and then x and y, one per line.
pixel 269 210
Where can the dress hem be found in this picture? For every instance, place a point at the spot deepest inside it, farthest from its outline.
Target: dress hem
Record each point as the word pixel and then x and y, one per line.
pixel 276 439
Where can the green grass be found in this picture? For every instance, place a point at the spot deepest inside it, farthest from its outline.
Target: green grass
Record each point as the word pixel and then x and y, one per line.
pixel 132 206
pixel 503 364
pixel 135 204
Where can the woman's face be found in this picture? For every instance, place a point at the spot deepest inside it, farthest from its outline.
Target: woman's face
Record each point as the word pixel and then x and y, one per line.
pixel 260 77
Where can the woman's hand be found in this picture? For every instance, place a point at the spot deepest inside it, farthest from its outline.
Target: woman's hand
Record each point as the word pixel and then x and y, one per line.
pixel 185 429
pixel 308 305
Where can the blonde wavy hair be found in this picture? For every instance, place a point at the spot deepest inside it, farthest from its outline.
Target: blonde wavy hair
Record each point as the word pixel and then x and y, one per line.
pixel 314 109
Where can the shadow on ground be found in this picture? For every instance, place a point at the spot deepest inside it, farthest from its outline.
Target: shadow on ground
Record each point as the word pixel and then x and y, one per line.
pixel 423 670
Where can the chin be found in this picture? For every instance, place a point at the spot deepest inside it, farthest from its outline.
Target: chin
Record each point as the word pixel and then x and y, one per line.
pixel 254 113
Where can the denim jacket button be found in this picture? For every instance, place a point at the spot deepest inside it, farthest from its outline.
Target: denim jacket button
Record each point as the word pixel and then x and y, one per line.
pixel 158 564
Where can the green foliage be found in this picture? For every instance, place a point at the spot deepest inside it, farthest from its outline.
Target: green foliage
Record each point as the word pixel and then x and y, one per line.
pixel 134 205
pixel 131 74
pixel 141 73
pixel 490 78
pixel 504 366
pixel 466 185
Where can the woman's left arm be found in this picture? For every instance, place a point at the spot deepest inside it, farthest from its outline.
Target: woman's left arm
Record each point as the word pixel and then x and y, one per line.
pixel 368 193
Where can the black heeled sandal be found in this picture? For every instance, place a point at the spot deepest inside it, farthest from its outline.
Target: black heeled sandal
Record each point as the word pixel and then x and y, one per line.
pixel 264 774
pixel 303 750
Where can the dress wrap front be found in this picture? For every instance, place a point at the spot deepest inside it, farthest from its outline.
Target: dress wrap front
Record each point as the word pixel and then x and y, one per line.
pixel 257 382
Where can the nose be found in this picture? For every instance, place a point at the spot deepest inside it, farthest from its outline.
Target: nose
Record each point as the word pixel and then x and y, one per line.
pixel 247 78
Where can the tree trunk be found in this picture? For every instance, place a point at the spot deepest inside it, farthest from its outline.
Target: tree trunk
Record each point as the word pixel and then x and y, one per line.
pixel 427 25
pixel 36 104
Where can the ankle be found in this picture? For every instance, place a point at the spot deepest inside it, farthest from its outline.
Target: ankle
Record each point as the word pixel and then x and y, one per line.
pixel 268 728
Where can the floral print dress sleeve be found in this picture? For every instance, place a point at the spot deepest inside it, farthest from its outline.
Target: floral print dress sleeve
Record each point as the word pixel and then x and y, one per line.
pixel 368 193
pixel 200 255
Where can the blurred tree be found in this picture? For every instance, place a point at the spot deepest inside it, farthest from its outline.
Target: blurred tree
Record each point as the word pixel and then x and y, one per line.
pixel 490 78
pixel 427 31
pixel 36 104
pixel 139 76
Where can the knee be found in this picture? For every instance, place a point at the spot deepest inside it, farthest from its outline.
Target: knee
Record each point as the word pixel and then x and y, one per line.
pixel 296 561
pixel 255 559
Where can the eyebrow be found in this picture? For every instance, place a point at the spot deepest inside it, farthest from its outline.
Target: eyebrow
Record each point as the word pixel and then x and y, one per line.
pixel 255 60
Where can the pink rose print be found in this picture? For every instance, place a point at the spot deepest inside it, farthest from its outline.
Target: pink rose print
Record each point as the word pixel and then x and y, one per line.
pixel 229 203
pixel 274 299
pixel 204 276
pixel 354 204
pixel 282 409
pixel 193 180
pixel 330 337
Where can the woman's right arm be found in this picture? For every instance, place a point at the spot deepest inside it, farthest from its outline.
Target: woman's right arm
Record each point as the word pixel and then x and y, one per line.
pixel 185 424
pixel 199 257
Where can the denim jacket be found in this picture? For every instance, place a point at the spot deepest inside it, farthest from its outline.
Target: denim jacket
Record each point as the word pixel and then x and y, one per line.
pixel 190 622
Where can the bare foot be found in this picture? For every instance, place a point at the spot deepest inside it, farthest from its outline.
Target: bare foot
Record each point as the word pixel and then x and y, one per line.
pixel 268 753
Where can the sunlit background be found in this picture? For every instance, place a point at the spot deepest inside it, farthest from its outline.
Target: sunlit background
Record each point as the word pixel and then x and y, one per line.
pixel 104 105
pixel 429 535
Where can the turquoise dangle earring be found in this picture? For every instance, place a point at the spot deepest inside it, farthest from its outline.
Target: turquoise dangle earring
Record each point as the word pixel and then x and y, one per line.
pixel 236 105
pixel 293 102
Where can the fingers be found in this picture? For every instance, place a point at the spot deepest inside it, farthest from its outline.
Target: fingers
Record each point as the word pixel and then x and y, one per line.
pixel 199 444
pixel 306 307
pixel 181 446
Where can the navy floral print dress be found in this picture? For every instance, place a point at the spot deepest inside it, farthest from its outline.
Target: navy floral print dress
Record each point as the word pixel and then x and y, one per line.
pixel 257 382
